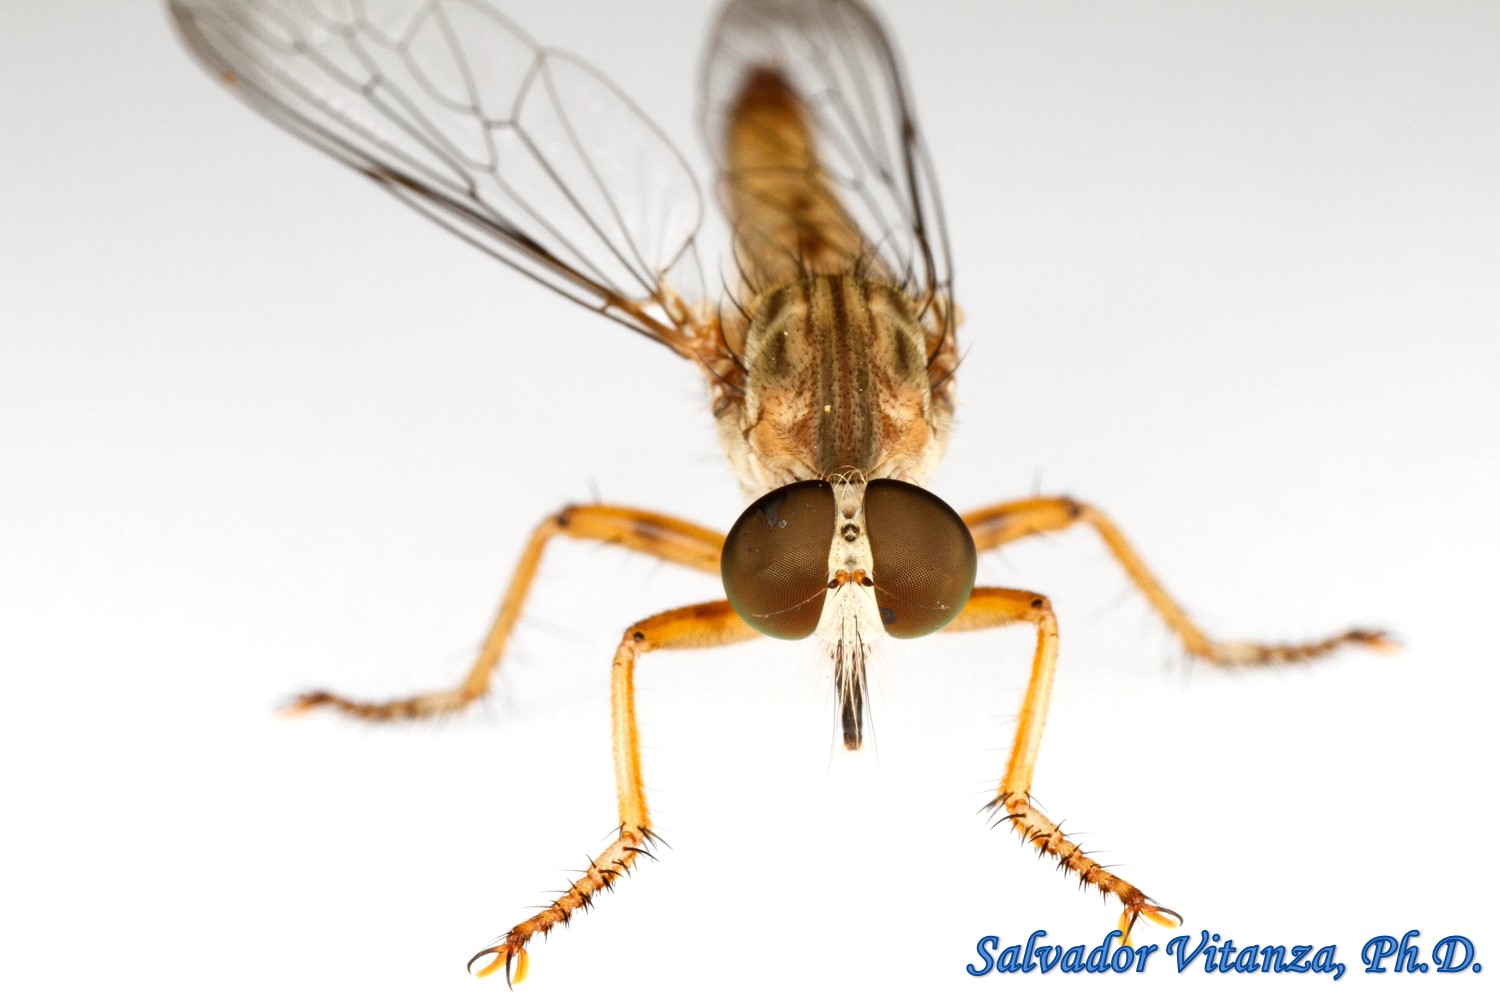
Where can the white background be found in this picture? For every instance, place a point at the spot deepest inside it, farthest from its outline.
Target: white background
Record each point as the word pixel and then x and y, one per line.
pixel 1229 273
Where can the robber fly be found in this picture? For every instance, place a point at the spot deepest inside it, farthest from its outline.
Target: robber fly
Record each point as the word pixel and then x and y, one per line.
pixel 829 356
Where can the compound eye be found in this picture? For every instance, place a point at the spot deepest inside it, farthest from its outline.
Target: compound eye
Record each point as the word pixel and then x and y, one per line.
pixel 923 558
pixel 775 561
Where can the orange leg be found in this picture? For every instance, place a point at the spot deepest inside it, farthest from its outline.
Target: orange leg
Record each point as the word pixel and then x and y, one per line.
pixel 992 607
pixel 696 627
pixel 995 526
pixel 656 535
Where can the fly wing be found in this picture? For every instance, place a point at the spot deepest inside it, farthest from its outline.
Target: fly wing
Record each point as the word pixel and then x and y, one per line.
pixel 821 164
pixel 528 153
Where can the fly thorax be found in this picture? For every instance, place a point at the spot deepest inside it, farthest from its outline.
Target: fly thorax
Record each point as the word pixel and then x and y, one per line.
pixel 836 378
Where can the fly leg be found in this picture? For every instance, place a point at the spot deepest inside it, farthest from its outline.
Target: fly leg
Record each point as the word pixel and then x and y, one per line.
pixel 995 526
pixel 666 538
pixel 699 626
pixel 992 607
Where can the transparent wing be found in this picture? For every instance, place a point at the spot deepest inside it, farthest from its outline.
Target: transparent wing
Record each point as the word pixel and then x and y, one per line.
pixel 526 152
pixel 868 173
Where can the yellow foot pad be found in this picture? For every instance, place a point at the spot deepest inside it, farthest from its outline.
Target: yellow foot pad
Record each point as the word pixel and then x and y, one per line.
pixel 513 957
pixel 1146 908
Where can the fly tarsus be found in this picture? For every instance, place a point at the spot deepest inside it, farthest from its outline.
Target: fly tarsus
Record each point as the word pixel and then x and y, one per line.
pixel 1236 654
pixel 422 706
pixel 613 864
pixel 1049 840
